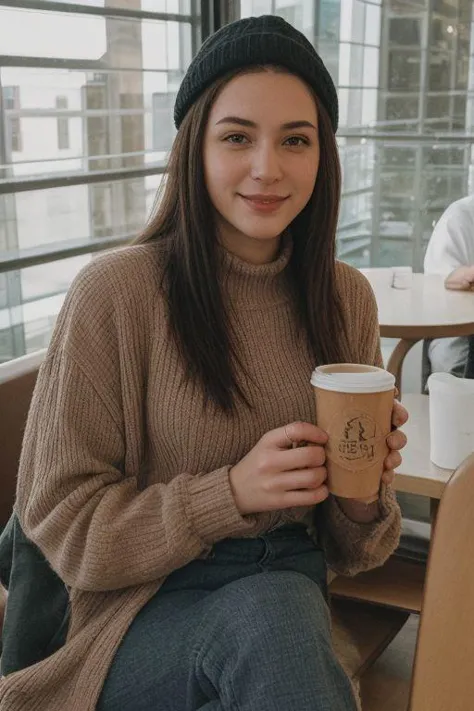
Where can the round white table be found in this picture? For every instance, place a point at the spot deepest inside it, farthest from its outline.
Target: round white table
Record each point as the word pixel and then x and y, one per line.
pixel 424 310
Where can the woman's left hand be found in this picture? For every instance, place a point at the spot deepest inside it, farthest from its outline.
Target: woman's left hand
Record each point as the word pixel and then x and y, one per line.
pixel 361 510
pixel 396 441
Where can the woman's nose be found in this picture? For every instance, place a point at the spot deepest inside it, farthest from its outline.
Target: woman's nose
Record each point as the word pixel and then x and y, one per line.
pixel 266 164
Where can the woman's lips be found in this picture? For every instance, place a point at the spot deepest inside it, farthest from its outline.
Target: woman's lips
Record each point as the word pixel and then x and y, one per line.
pixel 264 203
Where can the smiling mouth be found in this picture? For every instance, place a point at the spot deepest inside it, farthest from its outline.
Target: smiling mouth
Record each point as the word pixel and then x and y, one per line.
pixel 264 199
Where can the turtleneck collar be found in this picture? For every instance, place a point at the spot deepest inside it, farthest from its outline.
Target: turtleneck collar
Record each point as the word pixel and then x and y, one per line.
pixel 256 285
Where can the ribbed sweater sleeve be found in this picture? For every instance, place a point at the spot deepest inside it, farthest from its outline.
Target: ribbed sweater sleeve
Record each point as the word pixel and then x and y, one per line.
pixel 353 547
pixel 78 497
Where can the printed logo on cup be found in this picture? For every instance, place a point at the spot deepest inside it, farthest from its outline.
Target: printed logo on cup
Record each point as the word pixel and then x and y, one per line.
pixel 353 440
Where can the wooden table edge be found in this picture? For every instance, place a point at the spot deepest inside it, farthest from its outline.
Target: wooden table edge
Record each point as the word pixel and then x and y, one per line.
pixel 421 331
pixel 422 486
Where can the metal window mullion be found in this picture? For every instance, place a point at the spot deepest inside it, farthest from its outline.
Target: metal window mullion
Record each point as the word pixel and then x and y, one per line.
pixel 73 113
pixel 374 248
pixel 86 178
pixel 33 258
pixel 108 11
pixel 420 183
pixel 83 65
pixel 409 137
pixel 227 11
pixel 207 18
pixel 195 26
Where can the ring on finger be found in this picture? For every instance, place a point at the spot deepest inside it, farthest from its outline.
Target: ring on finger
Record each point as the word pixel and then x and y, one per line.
pixel 291 441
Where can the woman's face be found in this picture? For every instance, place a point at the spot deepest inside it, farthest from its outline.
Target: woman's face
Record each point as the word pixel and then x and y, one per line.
pixel 261 158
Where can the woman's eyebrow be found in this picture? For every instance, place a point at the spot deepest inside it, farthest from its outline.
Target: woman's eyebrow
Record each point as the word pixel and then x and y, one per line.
pixel 290 125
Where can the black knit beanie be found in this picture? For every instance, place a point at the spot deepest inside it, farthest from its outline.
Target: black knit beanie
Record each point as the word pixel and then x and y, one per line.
pixel 267 39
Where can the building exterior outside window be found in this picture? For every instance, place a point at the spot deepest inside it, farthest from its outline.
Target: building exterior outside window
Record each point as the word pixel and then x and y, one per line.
pixel 11 105
pixel 63 123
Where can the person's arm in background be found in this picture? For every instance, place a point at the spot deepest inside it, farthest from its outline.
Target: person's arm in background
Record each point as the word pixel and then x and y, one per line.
pixel 452 242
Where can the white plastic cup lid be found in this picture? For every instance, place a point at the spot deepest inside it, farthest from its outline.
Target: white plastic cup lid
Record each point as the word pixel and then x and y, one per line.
pixel 369 380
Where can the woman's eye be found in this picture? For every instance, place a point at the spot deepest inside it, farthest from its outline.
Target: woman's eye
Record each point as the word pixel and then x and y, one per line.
pixel 297 141
pixel 236 138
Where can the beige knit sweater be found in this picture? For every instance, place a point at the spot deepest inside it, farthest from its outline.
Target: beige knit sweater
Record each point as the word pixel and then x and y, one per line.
pixel 112 533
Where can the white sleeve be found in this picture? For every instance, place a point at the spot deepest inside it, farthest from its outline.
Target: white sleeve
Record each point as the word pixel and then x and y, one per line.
pixel 448 247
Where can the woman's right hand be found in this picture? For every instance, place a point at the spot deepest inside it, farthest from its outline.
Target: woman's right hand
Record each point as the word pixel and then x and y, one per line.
pixel 274 475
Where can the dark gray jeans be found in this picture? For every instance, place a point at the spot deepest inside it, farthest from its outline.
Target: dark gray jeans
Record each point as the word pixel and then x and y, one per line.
pixel 246 629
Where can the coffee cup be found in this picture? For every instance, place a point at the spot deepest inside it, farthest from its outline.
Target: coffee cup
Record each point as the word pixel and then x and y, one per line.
pixel 354 406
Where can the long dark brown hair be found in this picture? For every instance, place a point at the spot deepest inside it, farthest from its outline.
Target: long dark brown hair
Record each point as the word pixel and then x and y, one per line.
pixel 184 222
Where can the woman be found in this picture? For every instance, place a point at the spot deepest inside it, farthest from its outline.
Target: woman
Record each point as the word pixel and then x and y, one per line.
pixel 159 475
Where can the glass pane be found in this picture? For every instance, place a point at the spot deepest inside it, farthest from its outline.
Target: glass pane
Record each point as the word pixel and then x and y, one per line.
pixel 356 74
pixel 33 298
pixel 170 6
pixel 396 251
pixel 439 72
pixel 372 24
pixel 255 7
pixel 112 43
pixel 113 119
pixel 292 13
pixel 405 30
pixel 439 155
pixel 404 70
pixel 402 108
pixel 98 96
pixel 371 67
pixel 398 156
pixel 76 214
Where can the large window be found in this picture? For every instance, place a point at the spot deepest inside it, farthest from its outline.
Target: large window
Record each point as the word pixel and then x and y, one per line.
pixel 86 96
pixel 86 90
pixel 404 72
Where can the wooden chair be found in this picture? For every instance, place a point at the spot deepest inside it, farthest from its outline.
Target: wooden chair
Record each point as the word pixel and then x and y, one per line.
pixel 443 594
pixel 17 381
pixel 360 633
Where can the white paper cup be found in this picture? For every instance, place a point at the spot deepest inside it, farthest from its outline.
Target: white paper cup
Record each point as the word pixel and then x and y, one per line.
pixel 451 419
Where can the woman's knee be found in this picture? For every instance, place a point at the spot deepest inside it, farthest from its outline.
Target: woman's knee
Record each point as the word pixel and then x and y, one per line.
pixel 274 627
pixel 277 603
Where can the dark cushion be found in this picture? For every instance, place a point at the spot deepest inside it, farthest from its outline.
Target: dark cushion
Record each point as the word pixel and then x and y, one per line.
pixel 37 609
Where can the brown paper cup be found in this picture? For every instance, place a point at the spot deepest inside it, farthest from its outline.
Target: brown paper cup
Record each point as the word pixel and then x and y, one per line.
pixel 354 406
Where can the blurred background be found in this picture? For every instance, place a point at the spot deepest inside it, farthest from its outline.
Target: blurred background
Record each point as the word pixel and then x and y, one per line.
pixel 86 96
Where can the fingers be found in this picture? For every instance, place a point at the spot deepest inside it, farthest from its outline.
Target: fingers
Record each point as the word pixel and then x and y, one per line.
pixel 295 432
pixel 388 477
pixel 298 458
pixel 393 461
pixel 397 440
pixel 308 497
pixel 399 414
pixel 301 479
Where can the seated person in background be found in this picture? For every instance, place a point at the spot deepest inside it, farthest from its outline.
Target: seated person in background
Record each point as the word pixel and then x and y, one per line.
pixel 450 253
